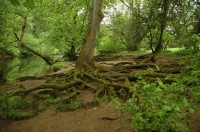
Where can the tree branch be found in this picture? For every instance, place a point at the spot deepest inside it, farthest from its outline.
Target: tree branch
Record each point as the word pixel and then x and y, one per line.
pixel 16 37
pixel 124 3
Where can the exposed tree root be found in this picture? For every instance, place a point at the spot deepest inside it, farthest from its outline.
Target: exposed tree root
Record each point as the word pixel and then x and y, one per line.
pixel 108 118
pixel 117 81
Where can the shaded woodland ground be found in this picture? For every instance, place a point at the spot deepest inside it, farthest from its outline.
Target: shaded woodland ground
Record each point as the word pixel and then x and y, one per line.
pixel 94 115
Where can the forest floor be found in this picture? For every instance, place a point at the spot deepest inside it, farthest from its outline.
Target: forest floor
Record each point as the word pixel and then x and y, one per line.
pixel 101 118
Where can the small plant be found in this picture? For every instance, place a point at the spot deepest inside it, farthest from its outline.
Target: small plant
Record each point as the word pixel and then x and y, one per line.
pixel 48 102
pixel 74 104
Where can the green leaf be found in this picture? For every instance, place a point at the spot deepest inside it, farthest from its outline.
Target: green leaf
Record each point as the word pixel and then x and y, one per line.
pixel 30 4
pixel 159 82
pixel 191 110
pixel 177 109
pixel 187 123
pixel 157 67
pixel 15 2
pixel 160 113
pixel 196 96
pixel 158 90
pixel 149 71
pixel 185 101
pixel 167 108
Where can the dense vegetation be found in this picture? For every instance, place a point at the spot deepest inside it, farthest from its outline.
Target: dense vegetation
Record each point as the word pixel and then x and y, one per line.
pixel 46 28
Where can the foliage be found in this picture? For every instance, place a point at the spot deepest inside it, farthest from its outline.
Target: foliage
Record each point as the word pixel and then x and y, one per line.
pixel 55 26
pixel 184 52
pixel 193 42
pixel 64 23
pixel 190 77
pixel 191 45
pixel 161 107
pixel 110 44
pixel 27 3
pixel 74 104
pixel 48 101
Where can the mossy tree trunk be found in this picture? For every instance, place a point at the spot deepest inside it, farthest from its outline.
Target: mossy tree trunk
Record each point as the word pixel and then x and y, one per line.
pixel 85 59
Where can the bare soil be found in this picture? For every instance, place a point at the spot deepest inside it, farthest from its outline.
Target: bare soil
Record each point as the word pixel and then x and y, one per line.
pixel 102 118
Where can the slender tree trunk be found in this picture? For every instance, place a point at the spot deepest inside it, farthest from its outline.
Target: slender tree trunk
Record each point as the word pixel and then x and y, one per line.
pixel 2 69
pixel 86 59
pixel 72 56
pixel 73 47
pixel 163 21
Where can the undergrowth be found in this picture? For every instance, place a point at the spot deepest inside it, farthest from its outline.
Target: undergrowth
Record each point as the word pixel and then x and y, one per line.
pixel 164 107
pixel 185 52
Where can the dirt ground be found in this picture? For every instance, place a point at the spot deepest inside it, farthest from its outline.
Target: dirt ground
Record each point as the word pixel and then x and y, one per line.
pixel 102 118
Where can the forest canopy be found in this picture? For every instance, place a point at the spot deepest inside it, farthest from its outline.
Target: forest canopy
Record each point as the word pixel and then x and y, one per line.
pixel 58 27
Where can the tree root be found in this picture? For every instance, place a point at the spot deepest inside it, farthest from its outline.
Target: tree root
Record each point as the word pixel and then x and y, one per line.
pixel 117 81
pixel 109 118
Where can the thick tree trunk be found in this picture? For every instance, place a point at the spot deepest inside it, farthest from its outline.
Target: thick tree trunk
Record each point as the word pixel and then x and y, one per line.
pixel 47 59
pixel 138 42
pixel 85 59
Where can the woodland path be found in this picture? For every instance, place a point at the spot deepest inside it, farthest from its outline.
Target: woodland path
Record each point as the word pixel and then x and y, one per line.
pixel 93 119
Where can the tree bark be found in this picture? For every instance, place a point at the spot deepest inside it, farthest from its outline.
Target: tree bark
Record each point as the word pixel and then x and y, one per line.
pixel 86 56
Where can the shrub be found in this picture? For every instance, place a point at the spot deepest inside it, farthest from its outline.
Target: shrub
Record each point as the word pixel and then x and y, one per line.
pixel 110 45
pixel 185 52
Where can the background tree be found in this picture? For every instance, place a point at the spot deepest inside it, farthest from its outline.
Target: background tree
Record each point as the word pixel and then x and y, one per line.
pixel 129 25
pixel 65 25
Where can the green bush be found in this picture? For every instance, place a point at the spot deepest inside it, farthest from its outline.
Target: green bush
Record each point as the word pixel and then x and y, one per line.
pixel 190 77
pixel 185 52
pixel 110 45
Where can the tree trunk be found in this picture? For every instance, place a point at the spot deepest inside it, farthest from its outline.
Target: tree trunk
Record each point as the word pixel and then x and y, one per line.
pixel 86 58
pixel 47 59
pixel 73 52
pixel 2 69
pixel 138 41
pixel 163 21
